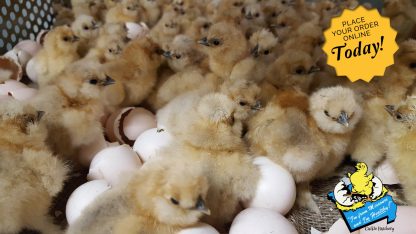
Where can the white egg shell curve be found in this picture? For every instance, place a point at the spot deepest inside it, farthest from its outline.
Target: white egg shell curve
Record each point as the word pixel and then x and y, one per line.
pixel 114 164
pixel 83 196
pixel 200 228
pixel 261 221
pixel 276 188
pixel 151 141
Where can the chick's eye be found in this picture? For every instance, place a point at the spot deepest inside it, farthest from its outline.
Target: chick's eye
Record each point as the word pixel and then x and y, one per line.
pixel 326 113
pixel 399 116
pixel 283 25
pixel 86 28
pixel 66 38
pixel 300 70
pixel 257 15
pixel 178 56
pixel 274 14
pixel 110 50
pixel 216 42
pixel 93 81
pixel 266 52
pixel 412 65
pixel 242 103
pixel 174 201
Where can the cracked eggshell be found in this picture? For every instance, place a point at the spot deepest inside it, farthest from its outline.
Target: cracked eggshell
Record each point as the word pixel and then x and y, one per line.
pixel 29 46
pixel 200 228
pixel 10 86
pixel 41 36
pixel 259 220
pixel 10 69
pixel 114 164
pixel 276 188
pixel 127 124
pixel 151 141
pixel 19 56
pixel 83 196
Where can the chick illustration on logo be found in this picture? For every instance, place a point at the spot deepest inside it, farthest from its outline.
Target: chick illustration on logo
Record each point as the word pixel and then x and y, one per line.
pixel 362 199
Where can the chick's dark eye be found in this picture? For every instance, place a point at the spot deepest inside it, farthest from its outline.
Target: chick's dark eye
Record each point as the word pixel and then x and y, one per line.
pixel 283 25
pixel 274 14
pixel 283 2
pixel 174 201
pixel 110 50
pixel 86 28
pixel 326 113
pixel 93 81
pixel 257 15
pixel 300 70
pixel 399 117
pixel 66 38
pixel 412 65
pixel 178 56
pixel 266 52
pixel 242 103
pixel 216 42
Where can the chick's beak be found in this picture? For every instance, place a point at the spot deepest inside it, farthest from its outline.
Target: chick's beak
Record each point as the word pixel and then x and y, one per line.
pixel 167 54
pixel 200 206
pixel 314 69
pixel 204 41
pixel 343 119
pixel 390 109
pixel 39 115
pixel 75 39
pixel 108 81
pixel 255 51
pixel 257 106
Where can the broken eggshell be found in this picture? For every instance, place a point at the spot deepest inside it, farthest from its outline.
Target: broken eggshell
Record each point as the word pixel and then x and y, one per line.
pixel 41 36
pixel 10 69
pixel 19 56
pixel 151 141
pixel 127 124
pixel 83 196
pixel 114 164
pixel 29 46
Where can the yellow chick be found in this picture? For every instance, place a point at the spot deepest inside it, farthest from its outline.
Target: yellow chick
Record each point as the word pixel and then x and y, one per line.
pixel 361 182
pixel 124 11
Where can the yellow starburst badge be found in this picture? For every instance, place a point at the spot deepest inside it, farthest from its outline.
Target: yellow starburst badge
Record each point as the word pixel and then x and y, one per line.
pixel 360 44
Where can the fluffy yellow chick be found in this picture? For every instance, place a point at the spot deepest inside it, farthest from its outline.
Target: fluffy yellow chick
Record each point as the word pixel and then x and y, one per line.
pixel 124 11
pixel 86 28
pixel 166 29
pixel 151 11
pixel 136 70
pixel 216 144
pixel 313 133
pixel 228 10
pixel 294 68
pixel 59 50
pixel 402 145
pixel 199 28
pixel 30 174
pixel 164 196
pixel 183 58
pixel 361 182
pixel 74 107
pixel 253 18
pixel 225 46
pixel 87 7
pixel 285 23
pixel 254 67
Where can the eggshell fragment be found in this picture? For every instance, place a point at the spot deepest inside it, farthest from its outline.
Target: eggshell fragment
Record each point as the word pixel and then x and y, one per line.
pixel 10 69
pixel 200 228
pixel 135 30
pixel 11 86
pixel 83 196
pixel 40 38
pixel 261 221
pixel 31 47
pixel 127 124
pixel 151 141
pixel 114 164
pixel 276 189
pixel 386 173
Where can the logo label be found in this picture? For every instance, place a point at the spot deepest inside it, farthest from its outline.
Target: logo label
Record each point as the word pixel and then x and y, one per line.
pixel 362 199
pixel 360 44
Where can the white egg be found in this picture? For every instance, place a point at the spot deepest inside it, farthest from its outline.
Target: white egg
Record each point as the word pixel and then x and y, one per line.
pixel 200 228
pixel 83 196
pixel 261 221
pixel 24 94
pixel 114 164
pixel 386 173
pixel 135 30
pixel 127 124
pixel 151 141
pixel 276 188
pixel 10 86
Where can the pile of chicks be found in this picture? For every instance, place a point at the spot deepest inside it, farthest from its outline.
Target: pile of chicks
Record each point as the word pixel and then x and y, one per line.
pixel 238 84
